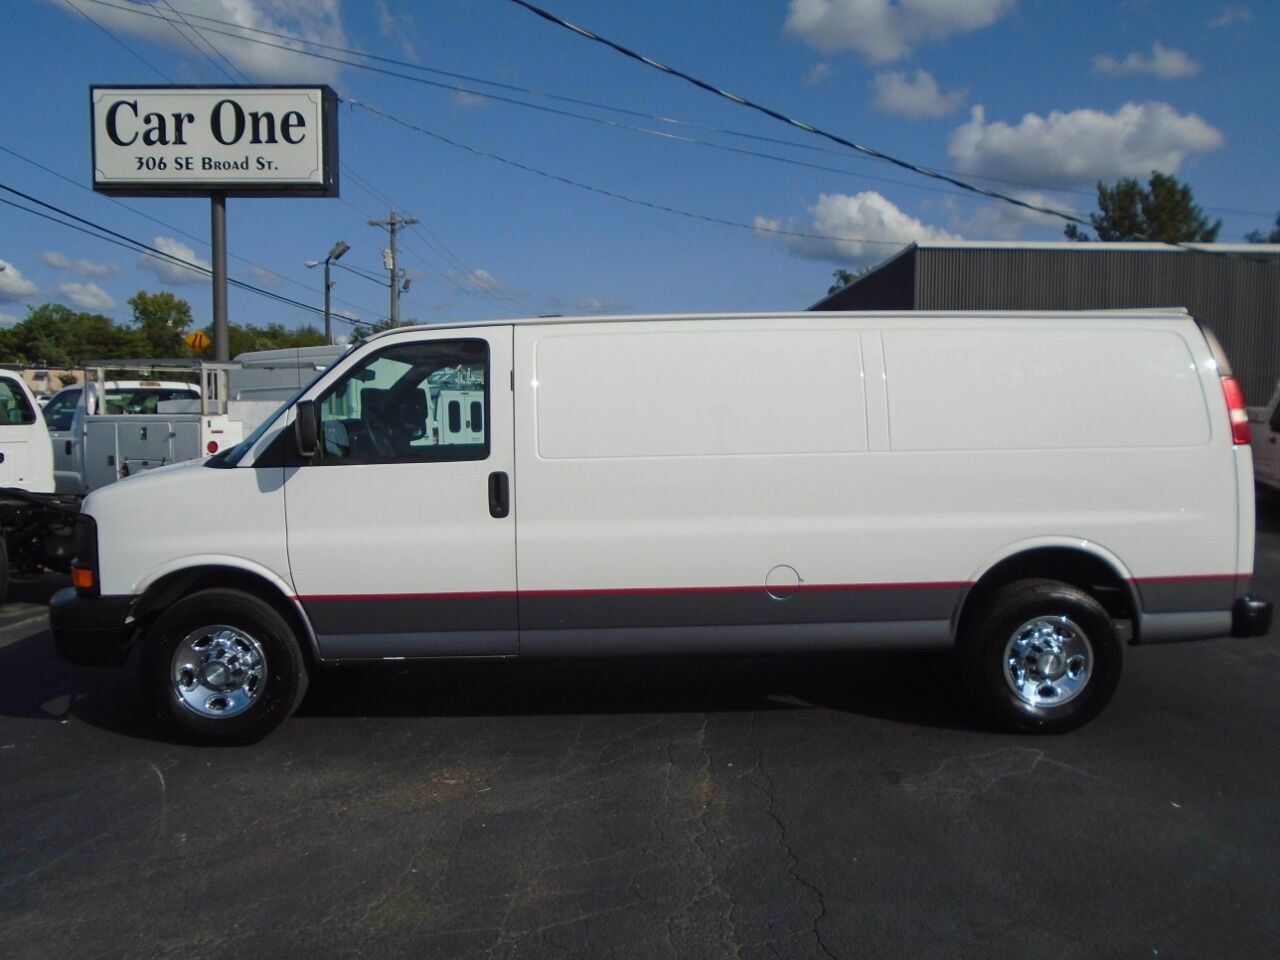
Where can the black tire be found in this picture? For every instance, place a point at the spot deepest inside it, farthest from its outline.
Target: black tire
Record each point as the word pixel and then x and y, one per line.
pixel 987 674
pixel 4 570
pixel 277 693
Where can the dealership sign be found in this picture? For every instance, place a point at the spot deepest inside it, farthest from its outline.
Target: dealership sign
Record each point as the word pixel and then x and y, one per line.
pixel 197 141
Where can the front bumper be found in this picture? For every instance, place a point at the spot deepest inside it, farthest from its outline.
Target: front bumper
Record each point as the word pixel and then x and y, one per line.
pixel 1251 617
pixel 92 631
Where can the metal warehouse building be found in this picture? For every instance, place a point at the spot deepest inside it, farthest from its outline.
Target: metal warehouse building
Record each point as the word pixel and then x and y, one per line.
pixel 1233 289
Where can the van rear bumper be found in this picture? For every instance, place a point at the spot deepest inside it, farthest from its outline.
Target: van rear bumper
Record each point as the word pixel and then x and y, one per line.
pixel 1251 617
pixel 91 631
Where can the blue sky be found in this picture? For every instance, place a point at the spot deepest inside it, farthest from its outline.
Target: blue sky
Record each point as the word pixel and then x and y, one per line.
pixel 1040 97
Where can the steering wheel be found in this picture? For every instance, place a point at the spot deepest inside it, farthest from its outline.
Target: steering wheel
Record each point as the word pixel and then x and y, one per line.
pixel 380 435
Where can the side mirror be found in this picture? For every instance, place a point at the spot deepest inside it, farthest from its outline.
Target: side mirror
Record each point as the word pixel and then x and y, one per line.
pixel 306 428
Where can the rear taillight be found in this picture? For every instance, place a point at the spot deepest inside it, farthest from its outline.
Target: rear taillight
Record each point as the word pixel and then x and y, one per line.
pixel 1236 409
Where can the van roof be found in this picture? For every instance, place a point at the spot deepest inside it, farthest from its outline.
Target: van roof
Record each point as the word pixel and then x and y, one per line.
pixel 1152 313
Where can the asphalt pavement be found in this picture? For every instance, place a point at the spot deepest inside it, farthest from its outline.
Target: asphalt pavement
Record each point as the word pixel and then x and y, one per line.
pixel 844 807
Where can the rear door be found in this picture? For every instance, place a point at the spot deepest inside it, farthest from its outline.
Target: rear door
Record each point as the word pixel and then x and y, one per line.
pixel 401 536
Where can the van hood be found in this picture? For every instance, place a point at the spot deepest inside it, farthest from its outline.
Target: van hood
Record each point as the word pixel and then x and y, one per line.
pixel 191 475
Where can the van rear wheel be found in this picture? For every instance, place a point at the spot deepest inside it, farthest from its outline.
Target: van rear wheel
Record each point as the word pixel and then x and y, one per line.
pixel 1041 657
pixel 222 667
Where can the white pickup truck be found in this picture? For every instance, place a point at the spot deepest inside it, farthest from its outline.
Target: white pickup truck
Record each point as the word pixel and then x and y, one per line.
pixel 68 409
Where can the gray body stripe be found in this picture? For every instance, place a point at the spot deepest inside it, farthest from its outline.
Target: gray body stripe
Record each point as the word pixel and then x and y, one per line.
pixel 735 608
pixel 377 646
pixel 1178 596
pixel 678 621
pixel 411 615
pixel 1193 625
pixel 788 638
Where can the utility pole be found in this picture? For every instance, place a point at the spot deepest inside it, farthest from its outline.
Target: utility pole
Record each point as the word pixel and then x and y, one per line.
pixel 389 259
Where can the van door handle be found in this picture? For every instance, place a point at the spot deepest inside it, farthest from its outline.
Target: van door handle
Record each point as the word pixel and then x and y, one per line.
pixel 68 448
pixel 499 495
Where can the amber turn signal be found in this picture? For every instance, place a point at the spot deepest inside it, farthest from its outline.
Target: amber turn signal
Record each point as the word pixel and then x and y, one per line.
pixel 82 578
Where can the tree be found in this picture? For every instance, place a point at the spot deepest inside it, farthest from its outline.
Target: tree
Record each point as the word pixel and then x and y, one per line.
pixel 162 319
pixel 1163 210
pixel 274 336
pixel 1257 236
pixel 363 331
pixel 56 335
pixel 843 278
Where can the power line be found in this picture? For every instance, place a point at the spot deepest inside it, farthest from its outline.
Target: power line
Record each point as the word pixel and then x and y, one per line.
pixel 198 49
pixel 484 295
pixel 755 228
pixel 360 273
pixel 134 52
pixel 836 138
pixel 165 224
pixel 119 239
pixel 241 30
pixel 790 121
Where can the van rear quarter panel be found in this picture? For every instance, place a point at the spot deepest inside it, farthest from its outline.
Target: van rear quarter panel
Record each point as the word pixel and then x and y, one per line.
pixel 861 469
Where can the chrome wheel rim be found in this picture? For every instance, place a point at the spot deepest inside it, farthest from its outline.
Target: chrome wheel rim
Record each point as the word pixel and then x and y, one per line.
pixel 218 671
pixel 1048 662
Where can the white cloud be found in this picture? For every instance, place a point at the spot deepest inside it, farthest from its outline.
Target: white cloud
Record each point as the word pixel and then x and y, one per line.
pixel 1004 221
pixel 172 273
pixel 1231 15
pixel 885 30
pixel 817 74
pixel 863 228
pixel 1164 62
pixel 14 287
pixel 87 296
pixel 8 320
pixel 1082 146
pixel 86 268
pixel 264 277
pixel 480 281
pixel 601 305
pixel 464 99
pixel 917 96
pixel 318 20
pixel 397 28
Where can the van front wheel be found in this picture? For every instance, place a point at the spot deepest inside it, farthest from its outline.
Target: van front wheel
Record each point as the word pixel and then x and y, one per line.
pixel 222 667
pixel 1042 656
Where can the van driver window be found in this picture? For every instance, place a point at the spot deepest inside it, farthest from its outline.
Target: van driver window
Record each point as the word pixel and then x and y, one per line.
pixel 403 404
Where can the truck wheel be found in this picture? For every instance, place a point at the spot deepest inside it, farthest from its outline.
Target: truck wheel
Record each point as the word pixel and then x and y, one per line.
pixel 222 667
pixel 1041 657
pixel 4 570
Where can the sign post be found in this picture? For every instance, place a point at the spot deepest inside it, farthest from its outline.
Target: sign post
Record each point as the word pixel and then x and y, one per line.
pixel 218 142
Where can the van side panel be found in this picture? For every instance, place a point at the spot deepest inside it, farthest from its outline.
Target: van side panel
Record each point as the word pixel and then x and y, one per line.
pixel 711 474
pixel 699 474
pixel 1112 432
pixel 1042 388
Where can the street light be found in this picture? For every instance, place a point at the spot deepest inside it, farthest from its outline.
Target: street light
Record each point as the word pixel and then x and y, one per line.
pixel 336 253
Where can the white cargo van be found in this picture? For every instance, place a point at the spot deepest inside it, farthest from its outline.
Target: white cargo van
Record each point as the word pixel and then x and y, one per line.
pixel 1032 490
